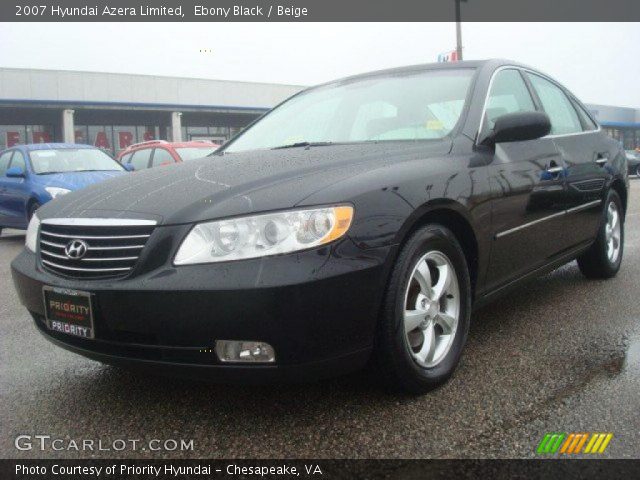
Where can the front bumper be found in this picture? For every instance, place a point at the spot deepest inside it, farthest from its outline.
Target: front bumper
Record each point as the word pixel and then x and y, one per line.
pixel 317 308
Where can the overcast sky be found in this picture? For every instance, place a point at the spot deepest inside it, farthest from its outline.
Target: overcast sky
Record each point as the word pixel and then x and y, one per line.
pixel 597 61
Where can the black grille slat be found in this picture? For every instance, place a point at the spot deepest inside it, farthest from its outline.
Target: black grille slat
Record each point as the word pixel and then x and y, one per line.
pixel 112 250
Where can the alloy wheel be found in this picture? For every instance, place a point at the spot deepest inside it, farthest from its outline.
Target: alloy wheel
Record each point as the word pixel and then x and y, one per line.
pixel 431 309
pixel 613 232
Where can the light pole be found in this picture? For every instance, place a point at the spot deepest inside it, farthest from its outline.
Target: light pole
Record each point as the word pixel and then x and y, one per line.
pixel 458 30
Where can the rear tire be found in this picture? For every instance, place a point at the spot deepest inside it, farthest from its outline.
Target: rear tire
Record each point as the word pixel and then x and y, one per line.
pixel 425 317
pixel 604 257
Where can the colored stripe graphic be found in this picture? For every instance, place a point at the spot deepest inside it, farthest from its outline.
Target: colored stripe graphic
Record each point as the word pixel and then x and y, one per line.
pixel 598 442
pixel 573 443
pixel 550 443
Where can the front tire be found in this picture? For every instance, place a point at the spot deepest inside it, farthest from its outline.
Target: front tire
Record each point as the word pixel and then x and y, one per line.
pixel 32 209
pixel 425 317
pixel 604 257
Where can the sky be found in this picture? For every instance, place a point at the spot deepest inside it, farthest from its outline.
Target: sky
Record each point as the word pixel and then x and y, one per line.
pixel 597 61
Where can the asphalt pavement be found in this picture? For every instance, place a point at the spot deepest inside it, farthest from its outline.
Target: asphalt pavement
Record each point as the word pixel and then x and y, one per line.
pixel 561 354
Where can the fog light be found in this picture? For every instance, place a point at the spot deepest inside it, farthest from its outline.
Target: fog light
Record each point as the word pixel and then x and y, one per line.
pixel 244 351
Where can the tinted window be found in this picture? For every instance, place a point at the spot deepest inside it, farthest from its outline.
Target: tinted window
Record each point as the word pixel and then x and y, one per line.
pixel 140 159
pixel 509 94
pixel 421 105
pixel 162 157
pixel 4 161
pixel 557 105
pixel 125 158
pixel 587 122
pixel 18 161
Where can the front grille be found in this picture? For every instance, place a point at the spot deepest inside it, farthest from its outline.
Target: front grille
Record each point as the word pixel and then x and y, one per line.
pixel 112 246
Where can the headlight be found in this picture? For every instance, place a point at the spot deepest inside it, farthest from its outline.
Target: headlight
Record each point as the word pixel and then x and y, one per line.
pixel 262 235
pixel 55 191
pixel 32 233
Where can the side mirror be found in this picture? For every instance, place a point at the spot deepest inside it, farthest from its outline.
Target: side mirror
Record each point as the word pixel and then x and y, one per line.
pixel 128 167
pixel 15 172
pixel 518 127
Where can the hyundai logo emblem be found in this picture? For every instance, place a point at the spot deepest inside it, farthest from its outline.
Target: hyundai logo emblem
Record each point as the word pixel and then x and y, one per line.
pixel 76 249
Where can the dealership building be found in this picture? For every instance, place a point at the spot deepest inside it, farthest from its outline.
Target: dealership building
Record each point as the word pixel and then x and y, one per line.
pixel 113 111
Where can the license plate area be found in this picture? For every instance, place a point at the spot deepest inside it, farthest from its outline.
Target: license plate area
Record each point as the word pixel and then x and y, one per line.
pixel 68 311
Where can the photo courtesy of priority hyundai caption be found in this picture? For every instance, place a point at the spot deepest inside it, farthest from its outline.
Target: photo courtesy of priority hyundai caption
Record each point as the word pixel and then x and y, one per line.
pixel 359 222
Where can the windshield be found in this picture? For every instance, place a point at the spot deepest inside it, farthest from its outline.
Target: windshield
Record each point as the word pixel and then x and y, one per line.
pixel 71 160
pixel 189 153
pixel 408 106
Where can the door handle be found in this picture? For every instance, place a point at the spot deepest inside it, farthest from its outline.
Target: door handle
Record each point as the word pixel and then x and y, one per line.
pixel 602 158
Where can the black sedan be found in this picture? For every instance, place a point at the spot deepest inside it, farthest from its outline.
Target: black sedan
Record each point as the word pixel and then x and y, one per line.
pixel 359 221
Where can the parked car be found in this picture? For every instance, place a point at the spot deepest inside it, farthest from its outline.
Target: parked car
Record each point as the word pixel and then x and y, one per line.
pixel 633 162
pixel 361 220
pixel 156 153
pixel 31 175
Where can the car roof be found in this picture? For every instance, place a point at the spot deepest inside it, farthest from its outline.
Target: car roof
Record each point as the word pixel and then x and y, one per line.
pixel 52 146
pixel 164 143
pixel 478 64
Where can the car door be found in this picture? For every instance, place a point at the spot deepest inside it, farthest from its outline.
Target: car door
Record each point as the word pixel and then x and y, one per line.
pixel 17 193
pixel 528 188
pixel 5 160
pixel 585 151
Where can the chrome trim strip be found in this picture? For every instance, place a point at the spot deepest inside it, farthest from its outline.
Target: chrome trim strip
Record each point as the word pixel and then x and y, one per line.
pixel 55 255
pixel 90 270
pixel 109 259
pixel 98 222
pixel 94 237
pixel 124 247
pixel 584 206
pixel 51 244
pixel 105 259
pixel 530 224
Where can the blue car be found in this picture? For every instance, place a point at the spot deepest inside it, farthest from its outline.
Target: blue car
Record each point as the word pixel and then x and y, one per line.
pixel 31 175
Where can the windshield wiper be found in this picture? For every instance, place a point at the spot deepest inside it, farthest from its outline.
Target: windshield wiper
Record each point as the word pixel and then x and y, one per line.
pixel 303 144
pixel 52 172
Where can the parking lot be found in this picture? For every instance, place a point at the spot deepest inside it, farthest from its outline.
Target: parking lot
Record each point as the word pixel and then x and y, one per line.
pixel 562 355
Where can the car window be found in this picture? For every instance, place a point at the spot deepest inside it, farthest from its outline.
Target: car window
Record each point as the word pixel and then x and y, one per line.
pixel 161 157
pixel 18 161
pixel 4 161
pixel 564 118
pixel 587 123
pixel 508 94
pixel 140 159
pixel 386 107
pixel 125 158
pixel 63 160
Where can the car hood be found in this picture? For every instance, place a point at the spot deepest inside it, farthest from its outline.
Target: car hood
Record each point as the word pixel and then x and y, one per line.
pixel 76 180
pixel 234 183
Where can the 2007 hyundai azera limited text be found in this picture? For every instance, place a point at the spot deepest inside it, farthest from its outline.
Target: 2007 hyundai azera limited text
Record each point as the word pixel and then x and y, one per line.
pixel 360 220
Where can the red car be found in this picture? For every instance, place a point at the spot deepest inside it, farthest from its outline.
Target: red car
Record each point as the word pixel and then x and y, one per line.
pixel 155 153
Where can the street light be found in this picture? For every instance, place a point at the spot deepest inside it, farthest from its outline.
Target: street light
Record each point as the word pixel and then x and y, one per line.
pixel 459 30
